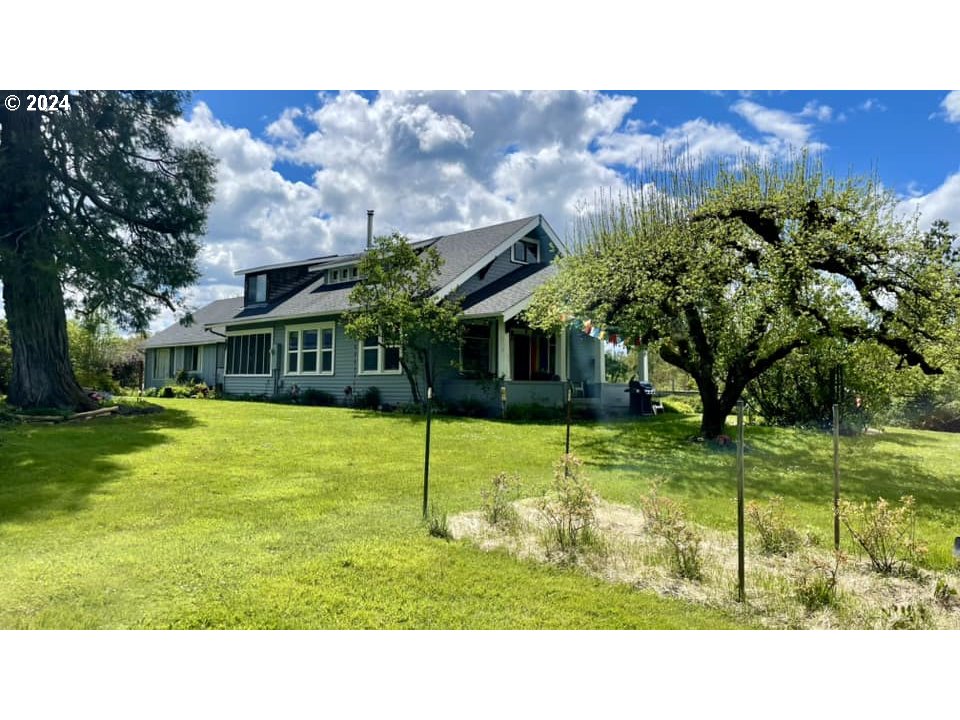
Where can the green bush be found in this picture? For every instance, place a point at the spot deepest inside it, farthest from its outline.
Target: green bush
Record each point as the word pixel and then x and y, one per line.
pixel 675 405
pixel 777 536
pixel 533 412
pixel 369 399
pixel 569 506
pixel 885 533
pixel 318 398
pixel 469 407
pixel 496 501
pixel 666 519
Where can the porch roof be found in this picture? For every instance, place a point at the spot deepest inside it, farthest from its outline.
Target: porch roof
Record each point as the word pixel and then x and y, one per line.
pixel 507 293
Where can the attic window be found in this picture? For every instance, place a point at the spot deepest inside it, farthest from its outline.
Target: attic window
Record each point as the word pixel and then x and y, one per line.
pixel 256 290
pixel 526 252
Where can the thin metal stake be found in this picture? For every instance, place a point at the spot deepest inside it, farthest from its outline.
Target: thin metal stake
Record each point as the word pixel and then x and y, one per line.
pixel 740 564
pixel 426 454
pixel 836 477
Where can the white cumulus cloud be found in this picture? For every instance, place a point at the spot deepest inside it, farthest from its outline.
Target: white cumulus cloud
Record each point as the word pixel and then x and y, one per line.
pixel 951 106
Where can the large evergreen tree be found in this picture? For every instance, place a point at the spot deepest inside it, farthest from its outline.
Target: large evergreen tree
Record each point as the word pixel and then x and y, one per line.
pixel 727 270
pixel 97 200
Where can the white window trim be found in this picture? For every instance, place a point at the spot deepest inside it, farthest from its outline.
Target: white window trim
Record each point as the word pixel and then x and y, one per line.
pixel 226 353
pixel 513 252
pixel 381 352
pixel 319 327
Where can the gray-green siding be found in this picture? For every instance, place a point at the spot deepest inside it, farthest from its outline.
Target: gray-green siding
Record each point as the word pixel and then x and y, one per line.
pixel 208 365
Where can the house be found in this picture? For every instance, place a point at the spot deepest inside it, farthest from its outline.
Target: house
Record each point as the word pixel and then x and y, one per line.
pixel 285 330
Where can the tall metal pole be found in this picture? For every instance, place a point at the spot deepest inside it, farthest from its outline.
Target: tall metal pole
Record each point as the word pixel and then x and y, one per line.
pixel 426 454
pixel 569 402
pixel 740 564
pixel 836 477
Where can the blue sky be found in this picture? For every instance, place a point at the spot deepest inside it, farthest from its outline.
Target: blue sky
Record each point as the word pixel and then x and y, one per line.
pixel 299 169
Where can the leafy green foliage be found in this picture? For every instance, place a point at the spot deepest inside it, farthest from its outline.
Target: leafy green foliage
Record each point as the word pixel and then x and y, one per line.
pixel 726 270
pixel 94 345
pixel 394 301
pixel 100 201
pixel 6 357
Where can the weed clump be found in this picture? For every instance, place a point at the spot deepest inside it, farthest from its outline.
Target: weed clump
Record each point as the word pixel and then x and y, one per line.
pixel 496 504
pixel 667 520
pixel 569 506
pixel 777 537
pixel 815 586
pixel 437 524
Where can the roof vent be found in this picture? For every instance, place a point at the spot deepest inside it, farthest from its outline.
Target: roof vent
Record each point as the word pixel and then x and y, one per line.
pixel 369 229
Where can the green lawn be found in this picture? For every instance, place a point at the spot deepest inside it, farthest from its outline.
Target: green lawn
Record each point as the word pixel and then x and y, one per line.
pixel 243 515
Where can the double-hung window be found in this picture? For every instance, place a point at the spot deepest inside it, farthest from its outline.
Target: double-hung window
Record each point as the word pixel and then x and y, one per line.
pixel 310 349
pixel 376 358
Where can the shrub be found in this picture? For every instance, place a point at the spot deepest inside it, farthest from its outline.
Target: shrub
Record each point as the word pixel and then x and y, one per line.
pixel 369 399
pixel 884 533
pixel 674 405
pixel 469 407
pixel 532 412
pixel 816 584
pixel 315 397
pixel 437 524
pixel 777 537
pixel 568 507
pixel 666 519
pixel 495 501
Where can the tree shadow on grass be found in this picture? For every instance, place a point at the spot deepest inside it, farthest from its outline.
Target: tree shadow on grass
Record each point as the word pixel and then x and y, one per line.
pixel 797 465
pixel 54 469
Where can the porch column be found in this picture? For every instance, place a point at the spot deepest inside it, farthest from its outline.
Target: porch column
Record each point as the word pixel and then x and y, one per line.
pixel 503 349
pixel 601 362
pixel 562 365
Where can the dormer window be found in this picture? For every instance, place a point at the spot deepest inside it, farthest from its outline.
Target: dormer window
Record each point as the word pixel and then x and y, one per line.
pixel 256 289
pixel 526 252
pixel 334 276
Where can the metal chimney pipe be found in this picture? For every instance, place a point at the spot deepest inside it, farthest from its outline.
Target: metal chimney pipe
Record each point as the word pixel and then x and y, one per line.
pixel 369 229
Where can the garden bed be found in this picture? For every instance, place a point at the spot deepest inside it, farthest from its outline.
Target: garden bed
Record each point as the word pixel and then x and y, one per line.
pixel 624 551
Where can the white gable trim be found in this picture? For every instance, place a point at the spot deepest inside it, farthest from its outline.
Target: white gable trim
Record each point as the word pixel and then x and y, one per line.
pixel 475 268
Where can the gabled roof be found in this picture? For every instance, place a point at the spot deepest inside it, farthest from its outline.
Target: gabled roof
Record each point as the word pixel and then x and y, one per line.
pixel 509 294
pixel 463 255
pixel 216 313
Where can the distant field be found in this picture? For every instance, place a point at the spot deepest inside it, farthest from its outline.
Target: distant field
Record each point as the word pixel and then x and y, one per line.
pixel 244 515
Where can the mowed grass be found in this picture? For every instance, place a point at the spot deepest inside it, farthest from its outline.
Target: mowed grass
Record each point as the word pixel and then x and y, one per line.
pixel 244 515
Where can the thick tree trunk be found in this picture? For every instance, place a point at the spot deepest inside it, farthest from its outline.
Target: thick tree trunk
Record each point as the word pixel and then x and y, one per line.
pixel 32 294
pixel 33 300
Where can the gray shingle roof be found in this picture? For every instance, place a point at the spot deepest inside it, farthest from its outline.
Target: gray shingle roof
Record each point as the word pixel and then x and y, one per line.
pixel 215 313
pixel 513 288
pixel 459 252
